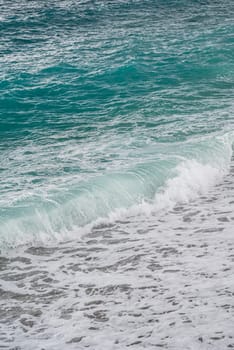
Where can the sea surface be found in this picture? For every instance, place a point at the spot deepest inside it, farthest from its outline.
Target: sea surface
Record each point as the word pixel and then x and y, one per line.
pixel 116 174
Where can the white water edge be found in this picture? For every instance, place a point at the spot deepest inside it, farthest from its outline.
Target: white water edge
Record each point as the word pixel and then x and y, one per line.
pixel 149 281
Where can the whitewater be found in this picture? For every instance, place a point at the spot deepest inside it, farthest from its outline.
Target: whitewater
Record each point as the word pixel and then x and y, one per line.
pixel 116 174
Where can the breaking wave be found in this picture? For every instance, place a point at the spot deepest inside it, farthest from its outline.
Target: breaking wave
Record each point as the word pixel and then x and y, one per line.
pixel 188 172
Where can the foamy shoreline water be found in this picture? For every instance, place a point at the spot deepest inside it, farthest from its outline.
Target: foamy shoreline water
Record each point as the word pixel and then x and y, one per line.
pixel 147 283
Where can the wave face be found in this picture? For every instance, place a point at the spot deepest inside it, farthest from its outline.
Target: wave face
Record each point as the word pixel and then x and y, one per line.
pixel 110 109
pixel 60 212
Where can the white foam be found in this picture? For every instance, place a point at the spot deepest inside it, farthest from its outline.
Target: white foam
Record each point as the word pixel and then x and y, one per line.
pixel 193 180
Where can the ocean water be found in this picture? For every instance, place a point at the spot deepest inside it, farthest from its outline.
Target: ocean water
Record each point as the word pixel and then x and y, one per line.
pixel 116 174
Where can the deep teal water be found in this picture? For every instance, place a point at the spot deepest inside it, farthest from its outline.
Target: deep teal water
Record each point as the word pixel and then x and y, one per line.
pixel 109 107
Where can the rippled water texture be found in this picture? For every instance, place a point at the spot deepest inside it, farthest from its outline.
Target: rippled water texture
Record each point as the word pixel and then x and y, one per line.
pixel 100 102
pixel 116 174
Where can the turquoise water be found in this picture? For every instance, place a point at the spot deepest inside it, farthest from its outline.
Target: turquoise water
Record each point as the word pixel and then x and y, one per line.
pixel 110 109
pixel 116 174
